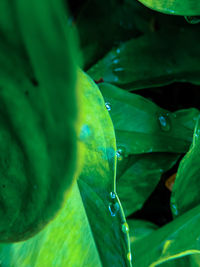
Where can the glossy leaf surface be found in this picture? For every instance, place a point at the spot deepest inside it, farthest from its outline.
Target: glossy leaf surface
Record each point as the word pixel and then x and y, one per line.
pixel 151 60
pixel 99 31
pixel 38 118
pixel 185 193
pixel 175 7
pixel 177 239
pixel 139 176
pixel 143 127
pixel 88 229
pixel 140 228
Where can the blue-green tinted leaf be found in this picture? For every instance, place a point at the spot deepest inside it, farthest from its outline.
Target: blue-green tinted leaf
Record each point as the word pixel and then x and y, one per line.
pixel 38 116
pixel 140 228
pixel 104 24
pixel 88 229
pixel 185 193
pixel 151 60
pixel 142 127
pixel 177 239
pixel 140 176
pixel 174 7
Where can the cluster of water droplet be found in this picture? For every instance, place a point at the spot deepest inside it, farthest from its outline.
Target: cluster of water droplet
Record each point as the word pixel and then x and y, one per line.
pixel 108 106
pixel 113 205
pixel 114 208
pixel 164 122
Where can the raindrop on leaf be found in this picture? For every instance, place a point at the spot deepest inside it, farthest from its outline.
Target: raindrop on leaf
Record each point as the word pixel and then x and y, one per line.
pixel 112 195
pixel 120 154
pixel 125 228
pixel 108 106
pixel 129 256
pixel 164 123
pixel 113 208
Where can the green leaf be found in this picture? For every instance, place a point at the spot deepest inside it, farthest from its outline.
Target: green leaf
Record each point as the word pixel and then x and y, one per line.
pixel 88 229
pixel 151 60
pixel 192 260
pixel 175 7
pixel 38 118
pixel 102 28
pixel 140 176
pixel 185 193
pixel 143 127
pixel 140 228
pixel 177 239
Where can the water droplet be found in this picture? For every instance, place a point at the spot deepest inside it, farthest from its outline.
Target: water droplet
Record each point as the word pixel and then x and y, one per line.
pixel 112 195
pixel 129 256
pixel 174 209
pixel 113 208
pixel 108 106
pixel 164 122
pixel 115 61
pixel 192 19
pixel 120 154
pixel 125 227
pixel 118 50
pixel 119 70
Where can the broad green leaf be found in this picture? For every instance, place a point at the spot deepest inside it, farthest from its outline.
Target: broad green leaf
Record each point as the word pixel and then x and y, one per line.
pixel 66 241
pixel 38 118
pixel 139 229
pixel 151 60
pixel 177 239
pixel 185 193
pixel 143 127
pixel 88 229
pixel 139 177
pixel 102 28
pixel 175 7
pixel 188 117
pixel 192 260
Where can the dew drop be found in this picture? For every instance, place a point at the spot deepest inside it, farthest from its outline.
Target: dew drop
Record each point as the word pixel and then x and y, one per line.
pixel 129 256
pixel 112 195
pixel 113 208
pixel 118 50
pixel 125 228
pixel 164 123
pixel 119 70
pixel 108 106
pixel 120 154
pixel 174 209
pixel 115 61
pixel 192 19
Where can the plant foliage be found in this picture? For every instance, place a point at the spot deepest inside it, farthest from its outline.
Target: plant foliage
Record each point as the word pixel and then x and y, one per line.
pixel 100 161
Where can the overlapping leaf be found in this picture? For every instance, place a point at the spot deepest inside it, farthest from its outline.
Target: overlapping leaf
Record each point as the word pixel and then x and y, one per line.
pixel 102 28
pixel 38 117
pixel 185 193
pixel 140 228
pixel 177 239
pixel 139 129
pixel 175 7
pixel 140 176
pixel 151 60
pixel 88 229
pixel 142 127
